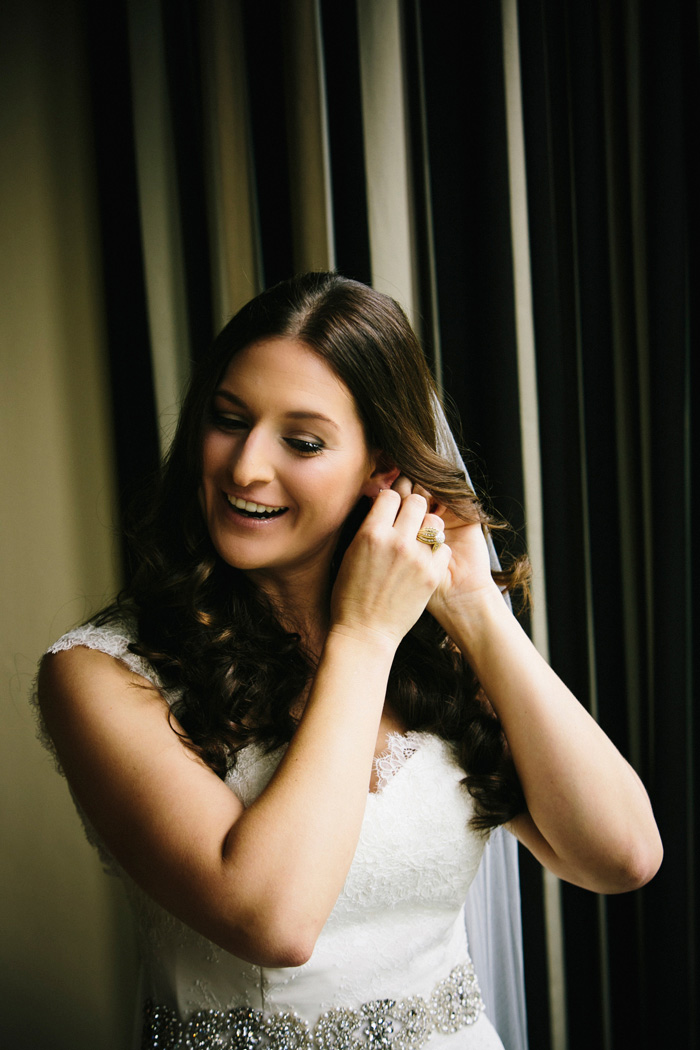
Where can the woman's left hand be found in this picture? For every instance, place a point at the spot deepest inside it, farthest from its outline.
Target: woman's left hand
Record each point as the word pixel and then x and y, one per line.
pixel 588 817
pixel 469 572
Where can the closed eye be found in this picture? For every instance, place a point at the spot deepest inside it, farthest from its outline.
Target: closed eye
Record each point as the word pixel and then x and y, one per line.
pixel 307 448
pixel 228 422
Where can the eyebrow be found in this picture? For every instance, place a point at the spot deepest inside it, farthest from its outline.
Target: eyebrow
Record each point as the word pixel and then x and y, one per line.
pixel 293 414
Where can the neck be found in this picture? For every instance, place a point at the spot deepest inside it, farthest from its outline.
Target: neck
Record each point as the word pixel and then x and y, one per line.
pixel 301 601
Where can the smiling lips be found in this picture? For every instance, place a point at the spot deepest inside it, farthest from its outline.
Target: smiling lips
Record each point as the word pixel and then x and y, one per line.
pixel 258 510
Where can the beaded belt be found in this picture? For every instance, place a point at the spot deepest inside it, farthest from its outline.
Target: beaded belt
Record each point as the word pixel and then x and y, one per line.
pixel 383 1024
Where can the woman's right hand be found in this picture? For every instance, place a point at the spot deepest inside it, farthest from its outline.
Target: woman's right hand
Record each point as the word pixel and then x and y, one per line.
pixel 387 576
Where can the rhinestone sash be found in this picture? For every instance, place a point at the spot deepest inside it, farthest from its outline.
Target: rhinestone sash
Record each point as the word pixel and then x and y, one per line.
pixel 383 1024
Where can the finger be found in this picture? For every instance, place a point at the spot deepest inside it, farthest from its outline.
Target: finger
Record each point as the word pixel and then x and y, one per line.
pixel 385 507
pixel 443 555
pixel 433 525
pixel 436 507
pixel 411 514
pixel 433 504
pixel 433 521
pixel 430 499
pixel 403 486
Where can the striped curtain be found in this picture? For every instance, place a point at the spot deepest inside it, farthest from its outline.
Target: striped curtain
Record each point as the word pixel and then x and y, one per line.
pixel 520 175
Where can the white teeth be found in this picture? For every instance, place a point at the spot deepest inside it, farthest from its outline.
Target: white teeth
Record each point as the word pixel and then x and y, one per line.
pixel 254 508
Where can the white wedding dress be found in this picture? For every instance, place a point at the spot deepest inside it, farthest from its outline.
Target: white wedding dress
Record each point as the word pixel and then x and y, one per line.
pixel 390 970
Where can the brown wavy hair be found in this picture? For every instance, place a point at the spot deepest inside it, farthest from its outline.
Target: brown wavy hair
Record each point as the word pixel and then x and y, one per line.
pixel 214 637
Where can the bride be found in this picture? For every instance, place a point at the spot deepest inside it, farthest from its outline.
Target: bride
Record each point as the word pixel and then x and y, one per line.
pixel 293 732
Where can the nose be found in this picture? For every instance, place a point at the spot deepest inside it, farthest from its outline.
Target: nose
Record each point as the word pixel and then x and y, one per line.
pixel 253 460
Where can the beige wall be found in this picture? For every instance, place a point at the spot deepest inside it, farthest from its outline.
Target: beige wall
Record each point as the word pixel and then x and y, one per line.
pixel 68 968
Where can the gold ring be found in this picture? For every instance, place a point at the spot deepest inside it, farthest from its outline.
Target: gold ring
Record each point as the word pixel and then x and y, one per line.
pixel 433 537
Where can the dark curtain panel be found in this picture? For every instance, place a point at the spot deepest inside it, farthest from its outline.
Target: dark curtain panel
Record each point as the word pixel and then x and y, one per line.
pixel 265 46
pixel 466 143
pixel 346 139
pixel 611 120
pixel 136 442
pixel 182 46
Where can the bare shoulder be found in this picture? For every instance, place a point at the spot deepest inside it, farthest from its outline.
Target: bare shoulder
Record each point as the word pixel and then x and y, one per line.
pixel 74 674
pixel 106 721
pixel 80 688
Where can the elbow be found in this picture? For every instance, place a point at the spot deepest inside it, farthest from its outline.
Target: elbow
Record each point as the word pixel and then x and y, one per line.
pixel 638 865
pixel 648 863
pixel 286 945
pixel 266 942
pixel 286 936
pixel 281 952
pixel 295 953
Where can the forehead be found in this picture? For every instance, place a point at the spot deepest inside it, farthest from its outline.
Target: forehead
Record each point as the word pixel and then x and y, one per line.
pixel 286 370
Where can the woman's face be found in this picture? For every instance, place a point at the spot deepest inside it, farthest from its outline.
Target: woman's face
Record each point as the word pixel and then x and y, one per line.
pixel 284 461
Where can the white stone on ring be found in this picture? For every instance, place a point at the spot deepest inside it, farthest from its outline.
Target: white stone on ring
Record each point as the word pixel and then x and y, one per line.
pixel 433 537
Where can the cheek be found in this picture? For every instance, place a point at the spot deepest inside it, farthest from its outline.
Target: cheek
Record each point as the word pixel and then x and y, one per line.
pixel 211 452
pixel 336 482
pixel 213 460
pixel 206 471
pixel 344 498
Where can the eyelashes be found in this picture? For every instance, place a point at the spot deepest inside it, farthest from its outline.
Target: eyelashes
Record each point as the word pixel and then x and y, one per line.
pixel 231 424
pixel 308 448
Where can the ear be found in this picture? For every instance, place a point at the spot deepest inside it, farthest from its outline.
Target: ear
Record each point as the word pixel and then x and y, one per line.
pixel 383 475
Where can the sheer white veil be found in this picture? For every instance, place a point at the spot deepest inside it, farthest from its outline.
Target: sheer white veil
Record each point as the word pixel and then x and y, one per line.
pixel 492 909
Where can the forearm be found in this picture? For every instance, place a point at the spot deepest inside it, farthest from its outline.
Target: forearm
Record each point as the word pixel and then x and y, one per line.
pixel 291 850
pixel 584 799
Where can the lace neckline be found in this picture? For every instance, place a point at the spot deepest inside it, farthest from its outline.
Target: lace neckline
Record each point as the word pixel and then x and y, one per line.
pixel 400 747
pixel 255 766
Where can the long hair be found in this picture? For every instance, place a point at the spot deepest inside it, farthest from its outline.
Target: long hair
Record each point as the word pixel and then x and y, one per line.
pixel 215 638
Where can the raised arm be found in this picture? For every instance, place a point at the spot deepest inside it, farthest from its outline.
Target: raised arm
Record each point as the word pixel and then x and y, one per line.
pixel 261 881
pixel 589 819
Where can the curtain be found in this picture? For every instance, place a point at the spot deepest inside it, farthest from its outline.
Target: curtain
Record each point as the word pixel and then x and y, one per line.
pixel 526 186
pixel 610 122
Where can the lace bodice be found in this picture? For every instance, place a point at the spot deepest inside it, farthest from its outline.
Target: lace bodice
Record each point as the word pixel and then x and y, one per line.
pixel 396 931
